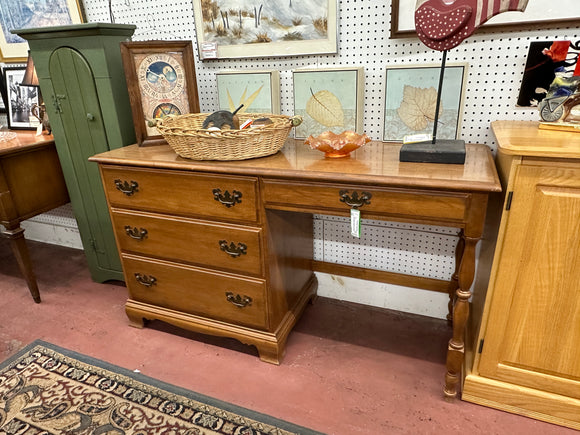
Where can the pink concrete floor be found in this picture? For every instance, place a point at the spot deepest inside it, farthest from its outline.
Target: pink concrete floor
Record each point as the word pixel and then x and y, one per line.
pixel 348 369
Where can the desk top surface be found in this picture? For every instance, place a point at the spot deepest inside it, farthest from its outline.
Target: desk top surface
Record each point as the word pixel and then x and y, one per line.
pixel 24 140
pixel 377 163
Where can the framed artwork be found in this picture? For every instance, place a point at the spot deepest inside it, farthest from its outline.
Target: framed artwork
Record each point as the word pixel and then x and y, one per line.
pixel 545 60
pixel 161 81
pixel 411 98
pixel 19 100
pixel 236 29
pixel 328 100
pixel 258 91
pixel 538 12
pixel 19 14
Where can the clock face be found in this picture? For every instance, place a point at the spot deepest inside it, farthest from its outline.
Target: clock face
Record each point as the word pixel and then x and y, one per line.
pixel 162 84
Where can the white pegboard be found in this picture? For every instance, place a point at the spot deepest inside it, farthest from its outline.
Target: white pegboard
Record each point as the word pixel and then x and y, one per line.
pixel 496 64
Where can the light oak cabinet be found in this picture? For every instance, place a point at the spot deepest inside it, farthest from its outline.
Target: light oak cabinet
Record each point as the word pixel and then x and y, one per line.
pixel 527 358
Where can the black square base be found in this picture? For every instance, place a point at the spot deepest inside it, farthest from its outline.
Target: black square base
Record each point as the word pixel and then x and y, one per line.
pixel 442 151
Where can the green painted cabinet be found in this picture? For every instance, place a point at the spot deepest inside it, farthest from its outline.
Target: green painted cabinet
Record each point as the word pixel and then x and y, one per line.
pixel 83 85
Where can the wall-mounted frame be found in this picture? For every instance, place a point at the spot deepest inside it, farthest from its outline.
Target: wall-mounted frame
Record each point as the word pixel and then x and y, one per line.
pixel 19 100
pixel 161 81
pixel 258 91
pixel 328 99
pixel 411 97
pixel 538 13
pixel 16 14
pixel 279 29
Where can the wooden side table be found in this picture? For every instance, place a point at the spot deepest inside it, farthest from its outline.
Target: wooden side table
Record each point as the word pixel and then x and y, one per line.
pixel 31 182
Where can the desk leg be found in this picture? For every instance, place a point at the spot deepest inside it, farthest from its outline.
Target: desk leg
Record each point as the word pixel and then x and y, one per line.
pixel 456 348
pixel 20 250
pixel 454 283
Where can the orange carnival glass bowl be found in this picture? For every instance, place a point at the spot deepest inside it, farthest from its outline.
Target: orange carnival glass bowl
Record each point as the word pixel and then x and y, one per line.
pixel 337 145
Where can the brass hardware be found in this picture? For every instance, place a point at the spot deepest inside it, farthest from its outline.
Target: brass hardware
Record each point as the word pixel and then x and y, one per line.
pixel 239 301
pixel 228 199
pixel 146 280
pixel 128 188
pixel 354 200
pixel 136 233
pixel 232 249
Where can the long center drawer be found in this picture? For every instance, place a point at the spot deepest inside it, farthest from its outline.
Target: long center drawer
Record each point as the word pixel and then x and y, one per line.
pixel 198 291
pixel 225 246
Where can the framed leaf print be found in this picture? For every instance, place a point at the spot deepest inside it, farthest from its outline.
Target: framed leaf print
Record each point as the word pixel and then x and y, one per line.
pixel 258 91
pixel 328 100
pixel 161 81
pixel 411 98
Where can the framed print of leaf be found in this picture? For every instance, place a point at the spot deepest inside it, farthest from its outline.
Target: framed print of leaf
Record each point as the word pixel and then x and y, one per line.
pixel 258 91
pixel 411 99
pixel 328 100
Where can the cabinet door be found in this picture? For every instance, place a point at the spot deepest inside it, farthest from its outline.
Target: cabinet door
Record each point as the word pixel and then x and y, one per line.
pixel 80 133
pixel 533 329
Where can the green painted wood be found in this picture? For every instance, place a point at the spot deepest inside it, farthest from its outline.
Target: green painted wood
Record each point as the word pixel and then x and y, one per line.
pixel 83 64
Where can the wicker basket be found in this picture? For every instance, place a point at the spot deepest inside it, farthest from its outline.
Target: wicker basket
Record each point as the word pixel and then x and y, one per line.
pixel 185 135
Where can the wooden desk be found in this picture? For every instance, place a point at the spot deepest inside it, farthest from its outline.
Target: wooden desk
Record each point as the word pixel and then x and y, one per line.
pixel 31 182
pixel 225 248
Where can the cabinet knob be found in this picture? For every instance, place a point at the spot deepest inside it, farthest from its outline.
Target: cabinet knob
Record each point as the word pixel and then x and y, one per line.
pixel 232 249
pixel 354 200
pixel 135 233
pixel 146 280
pixel 228 199
pixel 238 301
pixel 90 116
pixel 128 188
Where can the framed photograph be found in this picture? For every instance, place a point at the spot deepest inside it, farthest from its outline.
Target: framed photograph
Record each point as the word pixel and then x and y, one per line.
pixel 19 14
pixel 258 91
pixel 411 98
pixel 328 100
pixel 3 95
pixel 19 100
pixel 236 29
pixel 161 81
pixel 538 13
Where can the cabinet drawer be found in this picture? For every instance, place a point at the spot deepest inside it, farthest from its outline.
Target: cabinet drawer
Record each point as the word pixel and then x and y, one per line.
pixel 387 202
pixel 182 193
pixel 226 246
pixel 227 297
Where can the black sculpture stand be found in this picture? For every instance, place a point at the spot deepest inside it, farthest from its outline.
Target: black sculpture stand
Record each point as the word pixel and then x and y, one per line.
pixel 437 150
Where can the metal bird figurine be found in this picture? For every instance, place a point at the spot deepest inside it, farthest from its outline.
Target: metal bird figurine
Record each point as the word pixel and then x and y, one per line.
pixel 444 24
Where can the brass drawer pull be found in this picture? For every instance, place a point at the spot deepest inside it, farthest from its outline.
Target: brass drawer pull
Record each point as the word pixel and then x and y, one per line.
pixel 354 200
pixel 232 249
pixel 128 188
pixel 146 280
pixel 135 233
pixel 228 199
pixel 239 301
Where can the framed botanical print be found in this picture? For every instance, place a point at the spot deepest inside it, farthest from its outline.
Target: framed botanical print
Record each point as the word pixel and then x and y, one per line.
pixel 330 99
pixel 161 81
pixel 411 99
pixel 228 29
pixel 258 91
pixel 19 100
pixel 19 14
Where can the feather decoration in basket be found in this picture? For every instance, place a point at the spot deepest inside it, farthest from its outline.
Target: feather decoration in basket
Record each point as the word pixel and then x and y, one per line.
pixel 184 133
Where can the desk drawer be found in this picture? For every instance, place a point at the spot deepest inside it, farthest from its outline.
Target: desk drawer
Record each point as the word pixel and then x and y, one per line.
pixel 387 202
pixel 227 297
pixel 182 193
pixel 231 247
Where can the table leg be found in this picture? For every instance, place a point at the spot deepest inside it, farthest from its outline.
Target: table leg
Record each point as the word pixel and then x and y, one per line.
pixel 20 250
pixel 456 348
pixel 454 283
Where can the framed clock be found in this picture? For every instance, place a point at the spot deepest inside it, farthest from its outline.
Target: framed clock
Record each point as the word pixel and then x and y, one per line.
pixel 161 81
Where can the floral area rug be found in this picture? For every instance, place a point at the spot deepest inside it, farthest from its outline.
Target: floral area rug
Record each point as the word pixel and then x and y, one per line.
pixel 47 390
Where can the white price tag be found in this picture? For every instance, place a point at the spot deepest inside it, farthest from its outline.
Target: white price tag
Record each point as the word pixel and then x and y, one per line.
pixel 209 50
pixel 355 222
pixel 38 129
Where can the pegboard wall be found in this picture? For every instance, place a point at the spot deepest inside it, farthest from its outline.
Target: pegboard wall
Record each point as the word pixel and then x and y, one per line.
pixel 496 63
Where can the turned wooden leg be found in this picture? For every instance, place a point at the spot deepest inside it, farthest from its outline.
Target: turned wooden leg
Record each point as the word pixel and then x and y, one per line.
pixel 20 250
pixel 454 283
pixel 456 348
